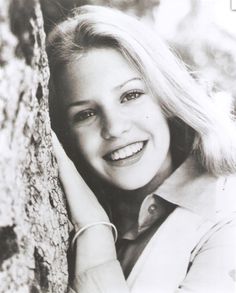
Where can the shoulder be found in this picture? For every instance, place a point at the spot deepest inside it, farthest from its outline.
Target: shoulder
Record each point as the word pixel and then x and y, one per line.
pixel 225 201
pixel 220 234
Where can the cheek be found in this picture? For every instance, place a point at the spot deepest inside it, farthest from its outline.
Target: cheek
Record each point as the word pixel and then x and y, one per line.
pixel 87 142
pixel 159 131
pixel 153 119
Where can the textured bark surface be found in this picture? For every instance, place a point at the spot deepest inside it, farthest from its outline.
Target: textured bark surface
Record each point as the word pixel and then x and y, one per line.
pixel 33 218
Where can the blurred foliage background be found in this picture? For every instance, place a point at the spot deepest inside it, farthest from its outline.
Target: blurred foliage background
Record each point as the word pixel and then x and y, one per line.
pixel 201 32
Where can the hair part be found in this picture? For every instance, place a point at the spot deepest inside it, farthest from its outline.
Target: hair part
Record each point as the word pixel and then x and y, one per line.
pixel 208 133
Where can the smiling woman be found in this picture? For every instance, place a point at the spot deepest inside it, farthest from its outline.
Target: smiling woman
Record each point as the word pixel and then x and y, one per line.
pixel 117 124
pixel 155 151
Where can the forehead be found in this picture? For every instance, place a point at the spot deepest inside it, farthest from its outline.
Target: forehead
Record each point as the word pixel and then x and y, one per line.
pixel 98 69
pixel 100 64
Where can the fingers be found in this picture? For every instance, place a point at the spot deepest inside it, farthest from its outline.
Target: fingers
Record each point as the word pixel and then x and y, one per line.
pixel 57 147
pixel 67 169
pixel 79 196
pixel 62 159
pixel 69 175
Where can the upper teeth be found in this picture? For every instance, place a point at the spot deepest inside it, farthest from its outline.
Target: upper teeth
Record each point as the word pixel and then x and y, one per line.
pixel 126 151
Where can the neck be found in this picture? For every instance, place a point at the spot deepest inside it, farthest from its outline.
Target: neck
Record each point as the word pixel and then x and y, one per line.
pixel 127 203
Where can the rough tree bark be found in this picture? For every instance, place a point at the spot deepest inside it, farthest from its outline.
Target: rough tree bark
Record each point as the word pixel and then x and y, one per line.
pixel 33 218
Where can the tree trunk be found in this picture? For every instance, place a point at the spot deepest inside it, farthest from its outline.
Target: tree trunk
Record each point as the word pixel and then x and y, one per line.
pixel 33 217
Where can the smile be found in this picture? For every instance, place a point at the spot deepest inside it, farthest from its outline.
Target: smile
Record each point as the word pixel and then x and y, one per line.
pixel 131 151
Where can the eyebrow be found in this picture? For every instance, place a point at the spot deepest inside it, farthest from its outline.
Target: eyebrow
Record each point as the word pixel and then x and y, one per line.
pixel 127 81
pixel 77 103
pixel 84 102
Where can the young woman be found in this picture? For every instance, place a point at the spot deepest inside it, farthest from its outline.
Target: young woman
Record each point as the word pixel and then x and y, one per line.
pixel 155 156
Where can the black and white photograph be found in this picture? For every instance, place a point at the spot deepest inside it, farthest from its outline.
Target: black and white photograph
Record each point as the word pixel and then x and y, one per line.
pixel 118 146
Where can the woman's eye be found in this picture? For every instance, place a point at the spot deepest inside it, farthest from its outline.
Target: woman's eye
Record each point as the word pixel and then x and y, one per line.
pixel 133 95
pixel 84 116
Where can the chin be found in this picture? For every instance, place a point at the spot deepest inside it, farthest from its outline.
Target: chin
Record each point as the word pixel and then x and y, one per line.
pixel 131 183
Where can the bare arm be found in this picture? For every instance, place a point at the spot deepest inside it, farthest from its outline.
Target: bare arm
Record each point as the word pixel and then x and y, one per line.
pixel 96 265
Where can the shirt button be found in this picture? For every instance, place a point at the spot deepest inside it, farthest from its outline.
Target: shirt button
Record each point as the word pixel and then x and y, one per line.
pixel 152 209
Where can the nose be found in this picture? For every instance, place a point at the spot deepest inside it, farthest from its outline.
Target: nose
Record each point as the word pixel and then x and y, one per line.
pixel 114 124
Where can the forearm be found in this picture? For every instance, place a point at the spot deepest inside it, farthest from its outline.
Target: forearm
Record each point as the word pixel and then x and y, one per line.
pixel 94 246
pixel 96 268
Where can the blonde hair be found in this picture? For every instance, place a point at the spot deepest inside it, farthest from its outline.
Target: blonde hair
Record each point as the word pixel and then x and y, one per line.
pixel 183 101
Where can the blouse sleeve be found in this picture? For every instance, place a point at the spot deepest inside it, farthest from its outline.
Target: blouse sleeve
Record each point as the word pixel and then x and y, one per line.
pixel 213 269
pixel 105 278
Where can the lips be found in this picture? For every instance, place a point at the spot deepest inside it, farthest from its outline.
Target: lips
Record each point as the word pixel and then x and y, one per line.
pixel 125 152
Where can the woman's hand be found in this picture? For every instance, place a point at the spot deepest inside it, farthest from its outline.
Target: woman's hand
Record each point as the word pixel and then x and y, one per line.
pixel 83 204
pixel 96 245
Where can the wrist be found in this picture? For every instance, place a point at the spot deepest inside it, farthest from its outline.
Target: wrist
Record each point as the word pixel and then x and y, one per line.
pixel 88 213
pixel 95 217
pixel 80 231
pixel 94 247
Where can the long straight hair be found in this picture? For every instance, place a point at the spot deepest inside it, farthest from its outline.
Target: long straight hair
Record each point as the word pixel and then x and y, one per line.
pixel 198 126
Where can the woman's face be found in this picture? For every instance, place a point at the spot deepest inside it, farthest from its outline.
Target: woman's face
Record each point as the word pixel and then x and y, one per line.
pixel 117 124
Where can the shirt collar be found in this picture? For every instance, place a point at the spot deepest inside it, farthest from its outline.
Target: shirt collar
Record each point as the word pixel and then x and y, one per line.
pixel 192 188
pixel 189 186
